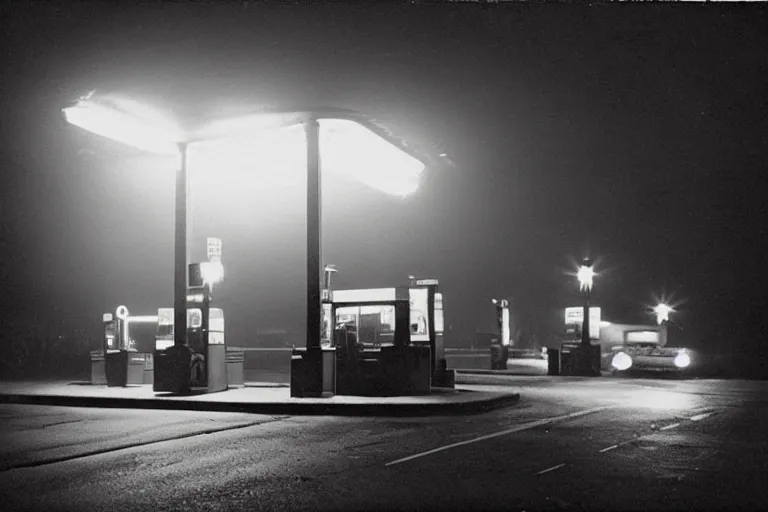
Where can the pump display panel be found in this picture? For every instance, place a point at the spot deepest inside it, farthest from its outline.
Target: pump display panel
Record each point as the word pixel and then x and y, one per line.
pixel 419 298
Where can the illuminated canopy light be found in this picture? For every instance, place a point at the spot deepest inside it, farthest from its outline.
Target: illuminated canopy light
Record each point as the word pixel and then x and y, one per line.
pixel 350 149
pixel 621 361
pixel 265 161
pixel 682 360
pixel 127 122
pixel 271 145
pixel 662 313
pixel 585 275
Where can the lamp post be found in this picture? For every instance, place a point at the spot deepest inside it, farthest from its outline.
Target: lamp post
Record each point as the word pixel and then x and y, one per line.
pixel 662 318
pixel 314 247
pixel 181 253
pixel 502 320
pixel 662 313
pixel 499 360
pixel 585 275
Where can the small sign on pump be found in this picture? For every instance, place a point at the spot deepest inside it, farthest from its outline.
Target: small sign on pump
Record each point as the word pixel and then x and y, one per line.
pixel 214 249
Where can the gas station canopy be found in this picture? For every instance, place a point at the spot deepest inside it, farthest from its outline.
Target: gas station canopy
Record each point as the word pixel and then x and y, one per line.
pixel 269 142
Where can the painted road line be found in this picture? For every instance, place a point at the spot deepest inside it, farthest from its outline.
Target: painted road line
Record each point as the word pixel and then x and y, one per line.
pixel 519 428
pixel 670 426
pixel 701 416
pixel 551 469
pixel 609 448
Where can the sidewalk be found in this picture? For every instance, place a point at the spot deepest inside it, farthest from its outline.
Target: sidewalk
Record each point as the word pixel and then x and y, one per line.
pixel 257 398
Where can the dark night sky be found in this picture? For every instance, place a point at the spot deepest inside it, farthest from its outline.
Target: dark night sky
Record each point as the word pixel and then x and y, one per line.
pixel 637 134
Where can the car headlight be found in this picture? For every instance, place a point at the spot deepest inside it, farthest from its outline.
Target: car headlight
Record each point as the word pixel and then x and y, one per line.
pixel 621 361
pixel 682 360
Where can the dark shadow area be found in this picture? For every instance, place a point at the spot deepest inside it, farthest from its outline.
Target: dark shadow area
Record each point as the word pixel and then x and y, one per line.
pixel 656 375
pixel 194 392
pixel 45 359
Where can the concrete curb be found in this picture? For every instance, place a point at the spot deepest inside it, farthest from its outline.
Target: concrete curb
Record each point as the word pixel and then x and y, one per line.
pixel 272 408
pixel 515 373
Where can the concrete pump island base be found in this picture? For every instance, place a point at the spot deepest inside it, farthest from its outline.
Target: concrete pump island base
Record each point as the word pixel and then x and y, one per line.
pixel 254 398
pixel 382 355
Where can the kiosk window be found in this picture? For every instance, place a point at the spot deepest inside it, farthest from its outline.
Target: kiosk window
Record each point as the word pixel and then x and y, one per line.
pixel 374 325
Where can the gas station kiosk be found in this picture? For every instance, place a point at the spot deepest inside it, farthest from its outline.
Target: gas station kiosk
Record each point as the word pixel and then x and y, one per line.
pixel 379 341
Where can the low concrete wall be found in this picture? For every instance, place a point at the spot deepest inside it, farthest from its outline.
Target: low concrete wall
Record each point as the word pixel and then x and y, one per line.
pixel 480 359
pixel 468 359
pixel 270 365
pixel 272 359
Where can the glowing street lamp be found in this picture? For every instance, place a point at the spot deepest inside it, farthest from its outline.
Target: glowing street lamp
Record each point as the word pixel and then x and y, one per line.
pixel 585 276
pixel 212 272
pixel 344 141
pixel 662 313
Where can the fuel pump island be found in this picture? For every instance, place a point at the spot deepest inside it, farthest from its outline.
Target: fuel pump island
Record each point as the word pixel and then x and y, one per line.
pixel 202 364
pixel 375 342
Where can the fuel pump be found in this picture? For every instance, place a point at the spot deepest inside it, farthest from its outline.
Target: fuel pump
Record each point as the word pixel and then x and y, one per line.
pixel 123 365
pixel 108 342
pixel 196 340
pixel 200 364
pixel 164 334
pixel 500 352
pixel 427 327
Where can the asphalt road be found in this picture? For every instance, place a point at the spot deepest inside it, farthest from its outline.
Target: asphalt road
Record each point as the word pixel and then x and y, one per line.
pixel 599 444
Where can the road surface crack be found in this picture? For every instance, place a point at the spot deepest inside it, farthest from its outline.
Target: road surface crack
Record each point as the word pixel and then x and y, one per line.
pixel 60 423
pixel 91 453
